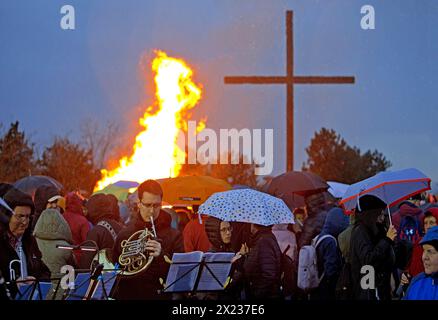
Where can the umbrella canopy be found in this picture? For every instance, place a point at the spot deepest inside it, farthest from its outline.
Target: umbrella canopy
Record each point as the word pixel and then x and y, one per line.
pixel 30 183
pixel 120 193
pixel 126 184
pixel 247 205
pixel 293 186
pixel 191 190
pixel 299 182
pixel 391 187
pixel 337 189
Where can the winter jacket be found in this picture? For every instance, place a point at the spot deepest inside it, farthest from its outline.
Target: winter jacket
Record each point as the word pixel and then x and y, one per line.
pixel 35 265
pixel 423 287
pixel 75 218
pixel 103 213
pixel 262 267
pixel 145 285
pixel 52 230
pixel 329 257
pixel 195 238
pixel 103 239
pixel 376 250
pixel 312 227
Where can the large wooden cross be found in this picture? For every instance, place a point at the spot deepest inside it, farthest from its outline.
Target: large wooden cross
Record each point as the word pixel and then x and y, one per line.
pixel 289 80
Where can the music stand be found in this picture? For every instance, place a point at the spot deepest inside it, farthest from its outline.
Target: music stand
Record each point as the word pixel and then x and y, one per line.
pixel 93 285
pixel 35 291
pixel 199 274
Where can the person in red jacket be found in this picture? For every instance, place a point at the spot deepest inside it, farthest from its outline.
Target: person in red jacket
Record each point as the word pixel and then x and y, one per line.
pixel 195 237
pixel 79 225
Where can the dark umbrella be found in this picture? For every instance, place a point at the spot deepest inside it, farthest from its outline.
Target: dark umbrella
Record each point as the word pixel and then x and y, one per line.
pixel 30 183
pixel 294 186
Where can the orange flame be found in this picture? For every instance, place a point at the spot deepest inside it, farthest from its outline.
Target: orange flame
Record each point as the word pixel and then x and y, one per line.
pixel 156 153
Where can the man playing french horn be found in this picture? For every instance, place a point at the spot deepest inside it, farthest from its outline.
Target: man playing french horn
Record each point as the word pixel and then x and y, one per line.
pixel 141 246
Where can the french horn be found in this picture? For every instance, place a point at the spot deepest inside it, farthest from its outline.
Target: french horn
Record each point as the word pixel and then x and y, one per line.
pixel 134 258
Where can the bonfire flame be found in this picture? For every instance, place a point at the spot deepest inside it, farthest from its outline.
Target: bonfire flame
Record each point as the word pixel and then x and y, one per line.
pixel 155 153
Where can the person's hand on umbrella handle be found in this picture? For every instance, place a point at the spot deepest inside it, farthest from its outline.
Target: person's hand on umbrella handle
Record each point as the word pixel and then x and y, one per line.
pixel 392 232
pixel 236 257
pixel 404 279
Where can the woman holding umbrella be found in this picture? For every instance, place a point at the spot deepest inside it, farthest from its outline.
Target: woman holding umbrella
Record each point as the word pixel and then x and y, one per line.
pixel 372 245
pixel 261 268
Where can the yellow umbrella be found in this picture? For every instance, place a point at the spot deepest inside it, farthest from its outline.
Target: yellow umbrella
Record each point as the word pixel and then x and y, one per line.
pixel 191 190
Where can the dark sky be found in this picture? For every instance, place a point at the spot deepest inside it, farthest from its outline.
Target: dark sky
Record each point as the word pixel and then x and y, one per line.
pixel 52 80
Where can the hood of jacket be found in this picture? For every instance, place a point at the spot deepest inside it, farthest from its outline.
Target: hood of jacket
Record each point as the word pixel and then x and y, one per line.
pixel 212 229
pixel 74 203
pixel 410 210
pixel 99 206
pixel 336 221
pixel 52 226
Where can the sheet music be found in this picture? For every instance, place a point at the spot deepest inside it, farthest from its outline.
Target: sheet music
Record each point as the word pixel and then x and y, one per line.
pixel 44 288
pixel 221 270
pixel 107 279
pixel 176 271
pixel 82 283
pixel 24 291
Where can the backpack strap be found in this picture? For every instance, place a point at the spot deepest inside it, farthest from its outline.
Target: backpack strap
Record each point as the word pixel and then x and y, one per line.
pixel 317 240
pixel 108 227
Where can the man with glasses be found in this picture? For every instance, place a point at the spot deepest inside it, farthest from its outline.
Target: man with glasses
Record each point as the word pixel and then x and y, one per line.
pixel 166 242
pixel 20 258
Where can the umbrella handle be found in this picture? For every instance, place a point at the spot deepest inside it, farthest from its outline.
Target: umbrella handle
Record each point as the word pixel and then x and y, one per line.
pixel 389 214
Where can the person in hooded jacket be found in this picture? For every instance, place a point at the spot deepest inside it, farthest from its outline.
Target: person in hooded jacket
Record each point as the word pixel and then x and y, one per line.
pixel 219 234
pixel 50 231
pixel 316 207
pixel 79 226
pixel 146 284
pixel 103 214
pixel 18 243
pixel 195 238
pixel 329 257
pixel 372 244
pixel 425 285
pixel 406 210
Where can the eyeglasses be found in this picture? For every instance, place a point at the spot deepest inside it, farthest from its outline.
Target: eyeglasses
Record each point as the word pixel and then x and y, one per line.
pixel 223 230
pixel 150 205
pixel 22 217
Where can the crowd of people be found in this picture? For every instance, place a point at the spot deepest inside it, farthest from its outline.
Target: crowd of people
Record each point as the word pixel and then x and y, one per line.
pixel 367 255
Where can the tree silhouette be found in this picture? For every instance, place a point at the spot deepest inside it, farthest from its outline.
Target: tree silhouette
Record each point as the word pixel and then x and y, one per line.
pixel 70 164
pixel 16 155
pixel 333 159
